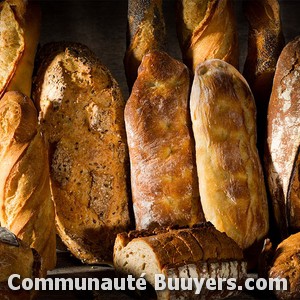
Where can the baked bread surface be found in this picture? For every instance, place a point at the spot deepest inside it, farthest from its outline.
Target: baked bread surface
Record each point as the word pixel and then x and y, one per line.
pixel 283 140
pixel 26 207
pixel 81 113
pixel 161 147
pixel 231 182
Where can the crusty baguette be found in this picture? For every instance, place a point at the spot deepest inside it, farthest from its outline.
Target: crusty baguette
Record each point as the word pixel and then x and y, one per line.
pixel 197 252
pixel 161 147
pixel 231 186
pixel 207 29
pixel 145 32
pixel 283 140
pixel 19 34
pixel 16 258
pixel 26 207
pixel 265 42
pixel 82 118
pixel 286 264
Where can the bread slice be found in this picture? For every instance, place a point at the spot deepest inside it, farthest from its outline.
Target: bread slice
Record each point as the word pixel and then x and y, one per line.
pixel 197 252
pixel 81 114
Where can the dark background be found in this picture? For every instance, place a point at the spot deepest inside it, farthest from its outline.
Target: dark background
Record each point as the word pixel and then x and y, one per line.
pixel 101 25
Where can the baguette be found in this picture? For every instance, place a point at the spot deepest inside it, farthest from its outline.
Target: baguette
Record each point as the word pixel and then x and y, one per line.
pixel 146 31
pixel 197 252
pixel 161 147
pixel 265 42
pixel 26 208
pixel 232 189
pixel 16 258
pixel 19 34
pixel 206 30
pixel 283 141
pixel 82 118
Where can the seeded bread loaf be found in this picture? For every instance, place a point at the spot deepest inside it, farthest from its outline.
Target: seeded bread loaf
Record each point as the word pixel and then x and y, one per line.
pixel 265 42
pixel 197 252
pixel 161 146
pixel 283 140
pixel 82 118
pixel 207 29
pixel 16 258
pixel 232 188
pixel 146 31
pixel 26 208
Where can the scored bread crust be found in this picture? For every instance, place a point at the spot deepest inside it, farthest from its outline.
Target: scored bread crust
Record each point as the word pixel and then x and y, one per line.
pixel 26 207
pixel 197 252
pixel 283 140
pixel 146 31
pixel 206 30
pixel 232 189
pixel 161 147
pixel 81 114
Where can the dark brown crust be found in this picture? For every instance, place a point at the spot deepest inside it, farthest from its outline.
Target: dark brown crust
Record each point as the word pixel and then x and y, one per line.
pixel 145 32
pixel 161 146
pixel 283 138
pixel 286 264
pixel 265 42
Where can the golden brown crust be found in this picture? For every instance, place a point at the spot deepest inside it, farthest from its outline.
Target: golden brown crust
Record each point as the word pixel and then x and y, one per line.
pixel 26 206
pixel 22 79
pixel 146 32
pixel 81 112
pixel 283 139
pixel 163 171
pixel 232 187
pixel 265 42
pixel 286 264
pixel 206 30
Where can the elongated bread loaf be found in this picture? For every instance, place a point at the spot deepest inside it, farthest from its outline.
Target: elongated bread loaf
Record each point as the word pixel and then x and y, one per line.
pixel 161 147
pixel 231 182
pixel 19 34
pixel 283 142
pixel 265 42
pixel 146 31
pixel 207 29
pixel 197 252
pixel 82 118
pixel 286 264
pixel 16 258
pixel 26 207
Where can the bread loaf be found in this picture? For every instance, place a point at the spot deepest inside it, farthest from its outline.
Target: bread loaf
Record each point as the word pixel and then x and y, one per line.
pixel 207 29
pixel 283 130
pixel 26 207
pixel 197 252
pixel 265 42
pixel 82 118
pixel 286 264
pixel 161 147
pixel 19 33
pixel 16 258
pixel 232 189
pixel 146 31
